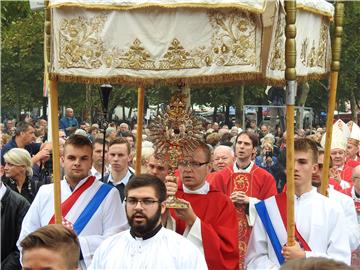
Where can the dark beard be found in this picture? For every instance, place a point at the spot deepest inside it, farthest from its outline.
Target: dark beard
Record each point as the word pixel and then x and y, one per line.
pixel 316 184
pixel 149 226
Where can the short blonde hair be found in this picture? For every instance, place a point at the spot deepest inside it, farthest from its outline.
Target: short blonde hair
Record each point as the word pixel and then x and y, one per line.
pixel 19 157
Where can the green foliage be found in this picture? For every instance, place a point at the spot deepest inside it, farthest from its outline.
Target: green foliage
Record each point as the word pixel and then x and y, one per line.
pixel 349 76
pixel 22 59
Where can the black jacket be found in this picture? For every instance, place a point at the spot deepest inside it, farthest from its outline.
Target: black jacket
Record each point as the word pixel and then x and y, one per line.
pixel 13 209
pixel 28 190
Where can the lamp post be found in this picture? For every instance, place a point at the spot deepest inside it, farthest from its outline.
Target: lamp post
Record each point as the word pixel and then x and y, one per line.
pixel 105 91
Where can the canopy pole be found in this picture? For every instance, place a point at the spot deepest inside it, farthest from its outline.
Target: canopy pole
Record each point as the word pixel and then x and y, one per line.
pixel 54 120
pixel 335 67
pixel 139 129
pixel 291 86
pixel 55 149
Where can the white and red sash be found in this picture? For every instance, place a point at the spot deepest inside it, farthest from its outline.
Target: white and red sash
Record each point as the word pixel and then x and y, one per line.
pixel 71 200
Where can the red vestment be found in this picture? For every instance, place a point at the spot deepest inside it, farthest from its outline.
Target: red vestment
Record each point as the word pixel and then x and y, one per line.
pixel 352 162
pixel 346 174
pixel 258 183
pixel 218 227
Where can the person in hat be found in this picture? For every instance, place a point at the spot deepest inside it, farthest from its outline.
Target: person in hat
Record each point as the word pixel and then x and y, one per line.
pixel 352 150
pixel 340 172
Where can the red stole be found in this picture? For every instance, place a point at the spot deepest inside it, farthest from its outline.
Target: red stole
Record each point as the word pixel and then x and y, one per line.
pixel 69 202
pixel 242 182
pixel 281 203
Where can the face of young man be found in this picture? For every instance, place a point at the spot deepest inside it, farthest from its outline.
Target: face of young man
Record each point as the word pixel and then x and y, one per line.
pixel 304 169
pixel 143 210
pixel 42 258
pixel 157 168
pixel 77 162
pixel 337 157
pixel 222 158
pixel 316 177
pixel 194 170
pixel 244 148
pixel 98 153
pixel 118 157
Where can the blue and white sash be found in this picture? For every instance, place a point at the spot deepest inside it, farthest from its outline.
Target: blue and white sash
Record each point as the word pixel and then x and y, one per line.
pixel 91 208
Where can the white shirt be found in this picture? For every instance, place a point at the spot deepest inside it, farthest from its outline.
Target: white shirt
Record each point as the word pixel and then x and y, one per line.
pixel 165 250
pixel 2 190
pixel 124 180
pixel 348 207
pixel 108 219
pixel 97 174
pixel 319 220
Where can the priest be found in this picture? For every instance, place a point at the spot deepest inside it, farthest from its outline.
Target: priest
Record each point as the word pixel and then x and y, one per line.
pixel 210 219
pixel 245 183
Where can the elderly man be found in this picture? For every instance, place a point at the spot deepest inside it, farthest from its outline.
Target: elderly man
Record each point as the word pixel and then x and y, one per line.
pixel 68 121
pixel 223 157
pixel 352 149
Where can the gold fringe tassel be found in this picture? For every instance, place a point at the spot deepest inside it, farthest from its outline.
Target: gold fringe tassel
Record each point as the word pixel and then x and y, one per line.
pixel 219 79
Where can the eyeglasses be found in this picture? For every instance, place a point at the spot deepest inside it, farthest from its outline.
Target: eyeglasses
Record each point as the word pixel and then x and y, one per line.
pixel 191 163
pixel 144 202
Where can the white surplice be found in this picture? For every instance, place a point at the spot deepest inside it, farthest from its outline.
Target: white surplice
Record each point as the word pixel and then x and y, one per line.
pixel 348 207
pixel 109 218
pixel 320 222
pixel 165 250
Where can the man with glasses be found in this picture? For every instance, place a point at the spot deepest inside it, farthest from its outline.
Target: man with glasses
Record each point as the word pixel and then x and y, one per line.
pixel 147 245
pixel 210 219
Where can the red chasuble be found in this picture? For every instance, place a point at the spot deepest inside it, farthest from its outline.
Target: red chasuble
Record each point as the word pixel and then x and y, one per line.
pixel 218 228
pixel 258 183
pixel 346 174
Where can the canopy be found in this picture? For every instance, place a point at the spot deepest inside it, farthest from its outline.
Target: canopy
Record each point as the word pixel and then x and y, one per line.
pixel 200 42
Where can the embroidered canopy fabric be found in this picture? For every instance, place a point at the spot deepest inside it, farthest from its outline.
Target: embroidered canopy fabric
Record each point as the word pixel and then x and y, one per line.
pixel 199 42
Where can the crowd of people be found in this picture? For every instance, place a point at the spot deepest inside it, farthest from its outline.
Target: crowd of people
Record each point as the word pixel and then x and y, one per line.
pixel 233 184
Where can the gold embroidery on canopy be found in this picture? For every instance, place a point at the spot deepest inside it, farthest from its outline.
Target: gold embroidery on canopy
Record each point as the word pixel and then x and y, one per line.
pixel 177 57
pixel 277 61
pixel 135 58
pixel 233 42
pixel 303 54
pixel 234 38
pixel 311 61
pixel 321 53
pixel 80 46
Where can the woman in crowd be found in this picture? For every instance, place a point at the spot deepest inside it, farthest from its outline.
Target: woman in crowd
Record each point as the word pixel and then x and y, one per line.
pixel 18 173
pixel 267 159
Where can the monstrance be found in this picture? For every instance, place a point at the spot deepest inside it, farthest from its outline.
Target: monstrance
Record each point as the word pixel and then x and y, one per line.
pixel 175 131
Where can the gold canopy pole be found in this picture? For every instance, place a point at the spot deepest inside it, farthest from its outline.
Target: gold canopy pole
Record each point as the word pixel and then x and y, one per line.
pixel 335 67
pixel 140 115
pixel 290 76
pixel 54 117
